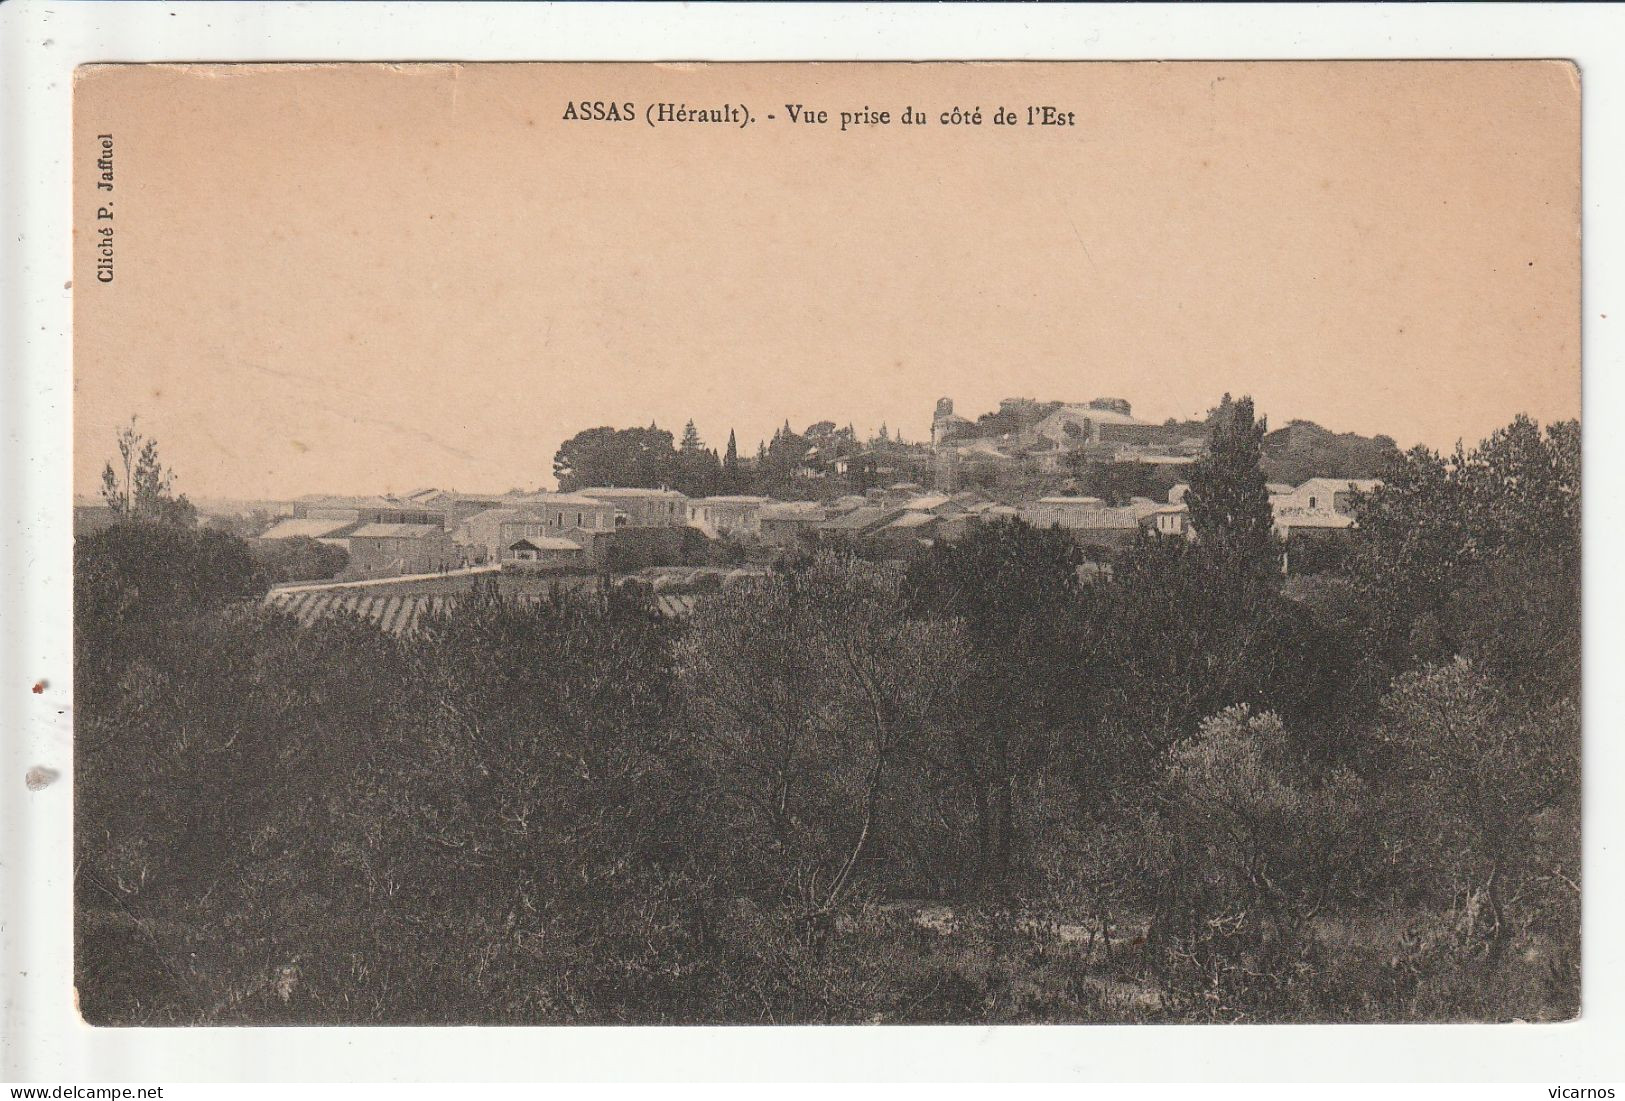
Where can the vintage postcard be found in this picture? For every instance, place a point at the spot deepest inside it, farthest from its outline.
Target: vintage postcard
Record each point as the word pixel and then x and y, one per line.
pixel 994 543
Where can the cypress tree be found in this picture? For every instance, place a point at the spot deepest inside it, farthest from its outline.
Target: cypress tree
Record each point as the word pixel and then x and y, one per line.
pixel 1229 503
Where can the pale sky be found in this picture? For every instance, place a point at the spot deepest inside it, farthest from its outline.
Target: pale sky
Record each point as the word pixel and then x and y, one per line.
pixel 375 278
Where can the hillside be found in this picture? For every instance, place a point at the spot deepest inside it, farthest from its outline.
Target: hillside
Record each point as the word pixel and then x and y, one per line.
pixel 1303 449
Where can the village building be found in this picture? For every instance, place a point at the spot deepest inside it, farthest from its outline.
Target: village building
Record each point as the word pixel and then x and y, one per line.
pixel 1293 520
pixel 1102 422
pixel 863 466
pixel 481 534
pixel 976 511
pixel 642 508
pixel 815 463
pixel 1051 437
pixel 560 518
pixel 333 532
pixel 858 523
pixel 1097 528
pixel 1153 458
pixel 397 549
pixel 1061 510
pixel 784 524
pixel 946 423
pixel 366 510
pixel 564 513
pixel 937 504
pixel 1319 504
pixel 727 515
pixel 1322 495
pixel 545 552
pixel 1170 520
pixel 457 507
pixel 1315 521
pixel 589 523
pixel 1046 456
pixel 842 505
pixel 897 495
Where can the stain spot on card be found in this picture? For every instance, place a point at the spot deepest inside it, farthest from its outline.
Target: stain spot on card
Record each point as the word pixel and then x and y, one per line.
pixel 39 777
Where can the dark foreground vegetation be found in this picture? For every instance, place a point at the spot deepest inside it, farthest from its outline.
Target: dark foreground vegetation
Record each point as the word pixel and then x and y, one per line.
pixel 964 788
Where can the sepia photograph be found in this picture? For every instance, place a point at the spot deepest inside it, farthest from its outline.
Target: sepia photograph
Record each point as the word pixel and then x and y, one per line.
pixel 867 543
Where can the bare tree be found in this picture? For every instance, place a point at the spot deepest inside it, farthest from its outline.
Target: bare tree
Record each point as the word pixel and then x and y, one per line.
pixel 140 487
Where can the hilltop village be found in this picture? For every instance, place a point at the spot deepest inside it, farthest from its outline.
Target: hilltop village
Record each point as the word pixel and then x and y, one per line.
pixel 639 505
pixel 1090 468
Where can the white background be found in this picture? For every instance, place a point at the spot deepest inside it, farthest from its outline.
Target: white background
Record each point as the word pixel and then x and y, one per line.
pixel 41 1039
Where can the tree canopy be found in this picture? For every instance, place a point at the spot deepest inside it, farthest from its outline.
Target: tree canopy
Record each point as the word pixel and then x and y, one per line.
pixel 140 486
pixel 978 785
pixel 1228 499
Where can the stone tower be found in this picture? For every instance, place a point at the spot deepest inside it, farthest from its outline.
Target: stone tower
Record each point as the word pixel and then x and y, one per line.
pixel 943 418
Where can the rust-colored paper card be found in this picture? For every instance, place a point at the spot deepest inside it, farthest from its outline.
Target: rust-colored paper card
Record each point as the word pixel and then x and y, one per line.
pixel 827 543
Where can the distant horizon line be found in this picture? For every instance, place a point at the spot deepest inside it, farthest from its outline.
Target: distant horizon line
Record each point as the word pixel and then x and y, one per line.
pixel 93 496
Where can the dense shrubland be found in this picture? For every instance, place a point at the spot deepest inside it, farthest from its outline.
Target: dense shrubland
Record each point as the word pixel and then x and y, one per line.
pixel 299 559
pixel 967 787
